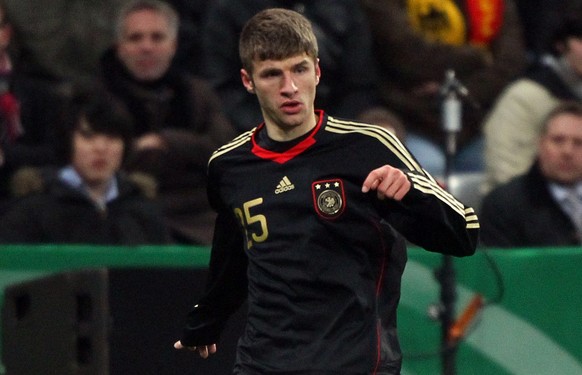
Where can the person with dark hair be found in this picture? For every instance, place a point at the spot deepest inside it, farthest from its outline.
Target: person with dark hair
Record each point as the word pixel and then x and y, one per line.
pixel 513 125
pixel 179 119
pixel 312 211
pixel 106 115
pixel 87 200
pixel 385 118
pixel 542 207
pixel 540 18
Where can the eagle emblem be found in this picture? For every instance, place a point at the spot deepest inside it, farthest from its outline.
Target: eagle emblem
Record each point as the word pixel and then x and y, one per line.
pixel 328 198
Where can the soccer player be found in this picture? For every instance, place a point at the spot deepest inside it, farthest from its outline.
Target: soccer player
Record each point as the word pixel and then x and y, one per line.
pixel 319 205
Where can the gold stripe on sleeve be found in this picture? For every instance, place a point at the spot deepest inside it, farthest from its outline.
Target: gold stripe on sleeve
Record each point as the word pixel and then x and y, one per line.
pixel 235 143
pixel 384 136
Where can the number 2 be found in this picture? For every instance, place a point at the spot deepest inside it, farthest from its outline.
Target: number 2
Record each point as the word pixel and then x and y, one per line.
pixel 247 219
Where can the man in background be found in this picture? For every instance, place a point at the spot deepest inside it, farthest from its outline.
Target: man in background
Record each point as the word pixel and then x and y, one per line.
pixel 87 199
pixel 542 207
pixel 179 120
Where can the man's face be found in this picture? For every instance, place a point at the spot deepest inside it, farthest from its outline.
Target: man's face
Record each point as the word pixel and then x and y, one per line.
pixel 560 149
pixel 147 45
pixel 96 157
pixel 286 92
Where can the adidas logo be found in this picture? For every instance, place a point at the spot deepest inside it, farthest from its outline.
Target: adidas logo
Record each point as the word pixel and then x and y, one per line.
pixel 284 185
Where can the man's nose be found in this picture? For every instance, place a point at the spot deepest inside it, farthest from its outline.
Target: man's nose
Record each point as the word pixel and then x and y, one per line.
pixel 289 84
pixel 147 43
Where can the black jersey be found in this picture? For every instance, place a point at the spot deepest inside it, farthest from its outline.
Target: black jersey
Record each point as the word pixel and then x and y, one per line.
pixel 296 235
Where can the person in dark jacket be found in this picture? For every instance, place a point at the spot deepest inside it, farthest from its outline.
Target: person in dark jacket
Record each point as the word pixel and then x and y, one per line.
pixel 179 119
pixel 348 87
pixel 513 126
pixel 540 18
pixel 312 211
pixel 542 206
pixel 88 200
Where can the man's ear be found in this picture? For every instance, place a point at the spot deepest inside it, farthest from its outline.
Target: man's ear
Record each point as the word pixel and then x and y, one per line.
pixel 247 81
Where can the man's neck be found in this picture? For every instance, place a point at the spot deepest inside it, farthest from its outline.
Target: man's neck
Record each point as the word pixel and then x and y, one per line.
pixel 98 192
pixel 284 134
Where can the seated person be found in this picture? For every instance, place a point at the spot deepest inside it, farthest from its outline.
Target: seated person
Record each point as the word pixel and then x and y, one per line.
pixel 512 128
pixel 534 209
pixel 178 118
pixel 385 118
pixel 88 200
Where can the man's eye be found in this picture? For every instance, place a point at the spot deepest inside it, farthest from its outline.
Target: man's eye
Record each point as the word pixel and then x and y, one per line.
pixel 158 37
pixel 134 38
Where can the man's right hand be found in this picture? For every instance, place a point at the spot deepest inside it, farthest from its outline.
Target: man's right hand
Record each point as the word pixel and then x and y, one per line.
pixel 204 350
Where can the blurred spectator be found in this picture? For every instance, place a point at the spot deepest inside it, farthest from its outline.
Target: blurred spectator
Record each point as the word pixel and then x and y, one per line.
pixel 28 113
pixel 348 86
pixel 540 18
pixel 513 126
pixel 542 207
pixel 179 120
pixel 60 41
pixel 385 118
pixel 88 200
pixel 418 42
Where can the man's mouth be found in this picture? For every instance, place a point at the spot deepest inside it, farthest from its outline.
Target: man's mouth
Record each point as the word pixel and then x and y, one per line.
pixel 291 107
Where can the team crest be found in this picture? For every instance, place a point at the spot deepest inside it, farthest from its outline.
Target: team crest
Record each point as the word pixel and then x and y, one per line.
pixel 329 198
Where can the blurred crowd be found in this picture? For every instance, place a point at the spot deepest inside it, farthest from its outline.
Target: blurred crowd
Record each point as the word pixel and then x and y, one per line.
pixel 170 71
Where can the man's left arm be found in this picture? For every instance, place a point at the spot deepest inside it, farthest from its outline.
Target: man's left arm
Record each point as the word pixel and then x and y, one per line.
pixel 425 213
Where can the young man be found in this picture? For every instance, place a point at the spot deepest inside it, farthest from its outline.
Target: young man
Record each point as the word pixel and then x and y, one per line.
pixel 534 209
pixel 316 228
pixel 87 200
pixel 344 42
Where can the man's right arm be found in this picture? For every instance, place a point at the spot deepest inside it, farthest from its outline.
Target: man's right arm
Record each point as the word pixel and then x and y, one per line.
pixel 226 287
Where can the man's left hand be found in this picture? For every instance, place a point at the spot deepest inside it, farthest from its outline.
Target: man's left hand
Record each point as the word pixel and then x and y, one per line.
pixel 389 182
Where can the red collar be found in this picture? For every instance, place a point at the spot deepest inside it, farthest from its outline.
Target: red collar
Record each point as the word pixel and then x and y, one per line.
pixel 283 157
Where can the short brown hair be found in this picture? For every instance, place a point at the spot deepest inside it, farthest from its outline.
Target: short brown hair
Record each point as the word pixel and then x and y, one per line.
pixel 276 34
